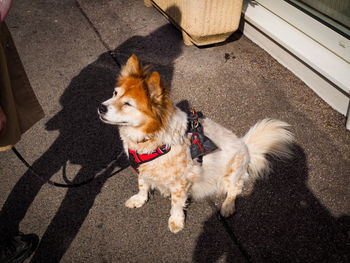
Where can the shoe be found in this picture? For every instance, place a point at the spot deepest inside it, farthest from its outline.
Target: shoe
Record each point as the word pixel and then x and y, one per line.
pixel 18 248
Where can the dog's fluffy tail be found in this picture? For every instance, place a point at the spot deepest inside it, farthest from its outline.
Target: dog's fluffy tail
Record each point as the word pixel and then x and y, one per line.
pixel 268 136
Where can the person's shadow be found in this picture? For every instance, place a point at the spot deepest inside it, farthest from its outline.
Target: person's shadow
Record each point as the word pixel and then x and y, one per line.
pixel 85 141
pixel 279 221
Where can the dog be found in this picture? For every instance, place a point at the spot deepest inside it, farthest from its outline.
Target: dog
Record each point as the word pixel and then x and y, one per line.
pixel 151 126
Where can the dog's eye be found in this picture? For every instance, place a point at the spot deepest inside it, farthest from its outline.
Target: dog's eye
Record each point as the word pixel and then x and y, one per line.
pixel 127 104
pixel 115 93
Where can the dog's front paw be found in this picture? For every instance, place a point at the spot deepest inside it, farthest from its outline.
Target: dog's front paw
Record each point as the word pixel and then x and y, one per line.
pixel 227 209
pixel 136 201
pixel 176 223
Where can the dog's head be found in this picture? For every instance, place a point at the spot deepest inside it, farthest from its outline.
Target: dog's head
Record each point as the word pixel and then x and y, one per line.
pixel 140 100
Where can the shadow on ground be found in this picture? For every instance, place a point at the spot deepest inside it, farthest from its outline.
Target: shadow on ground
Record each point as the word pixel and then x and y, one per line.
pixel 83 140
pixel 280 221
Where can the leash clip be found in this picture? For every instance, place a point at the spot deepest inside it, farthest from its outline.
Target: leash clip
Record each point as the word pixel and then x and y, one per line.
pixel 194 121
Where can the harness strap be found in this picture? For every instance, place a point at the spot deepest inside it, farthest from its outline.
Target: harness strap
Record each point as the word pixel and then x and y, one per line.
pixel 137 159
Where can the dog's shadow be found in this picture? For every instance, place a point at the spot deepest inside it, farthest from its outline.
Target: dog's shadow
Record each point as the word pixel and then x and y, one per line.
pixel 279 221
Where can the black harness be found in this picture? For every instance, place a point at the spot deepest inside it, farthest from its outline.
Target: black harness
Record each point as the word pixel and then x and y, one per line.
pixel 200 144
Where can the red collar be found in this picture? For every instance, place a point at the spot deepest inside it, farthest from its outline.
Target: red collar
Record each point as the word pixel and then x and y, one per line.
pixel 137 159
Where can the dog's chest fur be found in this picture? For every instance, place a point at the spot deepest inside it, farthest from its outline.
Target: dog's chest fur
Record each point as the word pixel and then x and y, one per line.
pixel 170 170
pixel 175 167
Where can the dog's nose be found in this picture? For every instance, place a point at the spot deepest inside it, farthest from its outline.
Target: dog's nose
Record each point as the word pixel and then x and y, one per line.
pixel 102 109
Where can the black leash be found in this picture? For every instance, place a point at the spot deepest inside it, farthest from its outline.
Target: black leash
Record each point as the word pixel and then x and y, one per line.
pixel 230 232
pixel 31 169
pixel 234 238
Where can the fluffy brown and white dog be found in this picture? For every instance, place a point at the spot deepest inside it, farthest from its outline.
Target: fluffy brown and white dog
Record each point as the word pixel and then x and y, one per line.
pixel 147 120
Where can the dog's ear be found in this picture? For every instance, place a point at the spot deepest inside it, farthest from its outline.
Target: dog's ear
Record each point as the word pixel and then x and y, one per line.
pixel 132 67
pixel 155 87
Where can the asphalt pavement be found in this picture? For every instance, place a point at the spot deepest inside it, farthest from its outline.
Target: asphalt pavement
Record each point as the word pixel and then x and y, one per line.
pixel 72 52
